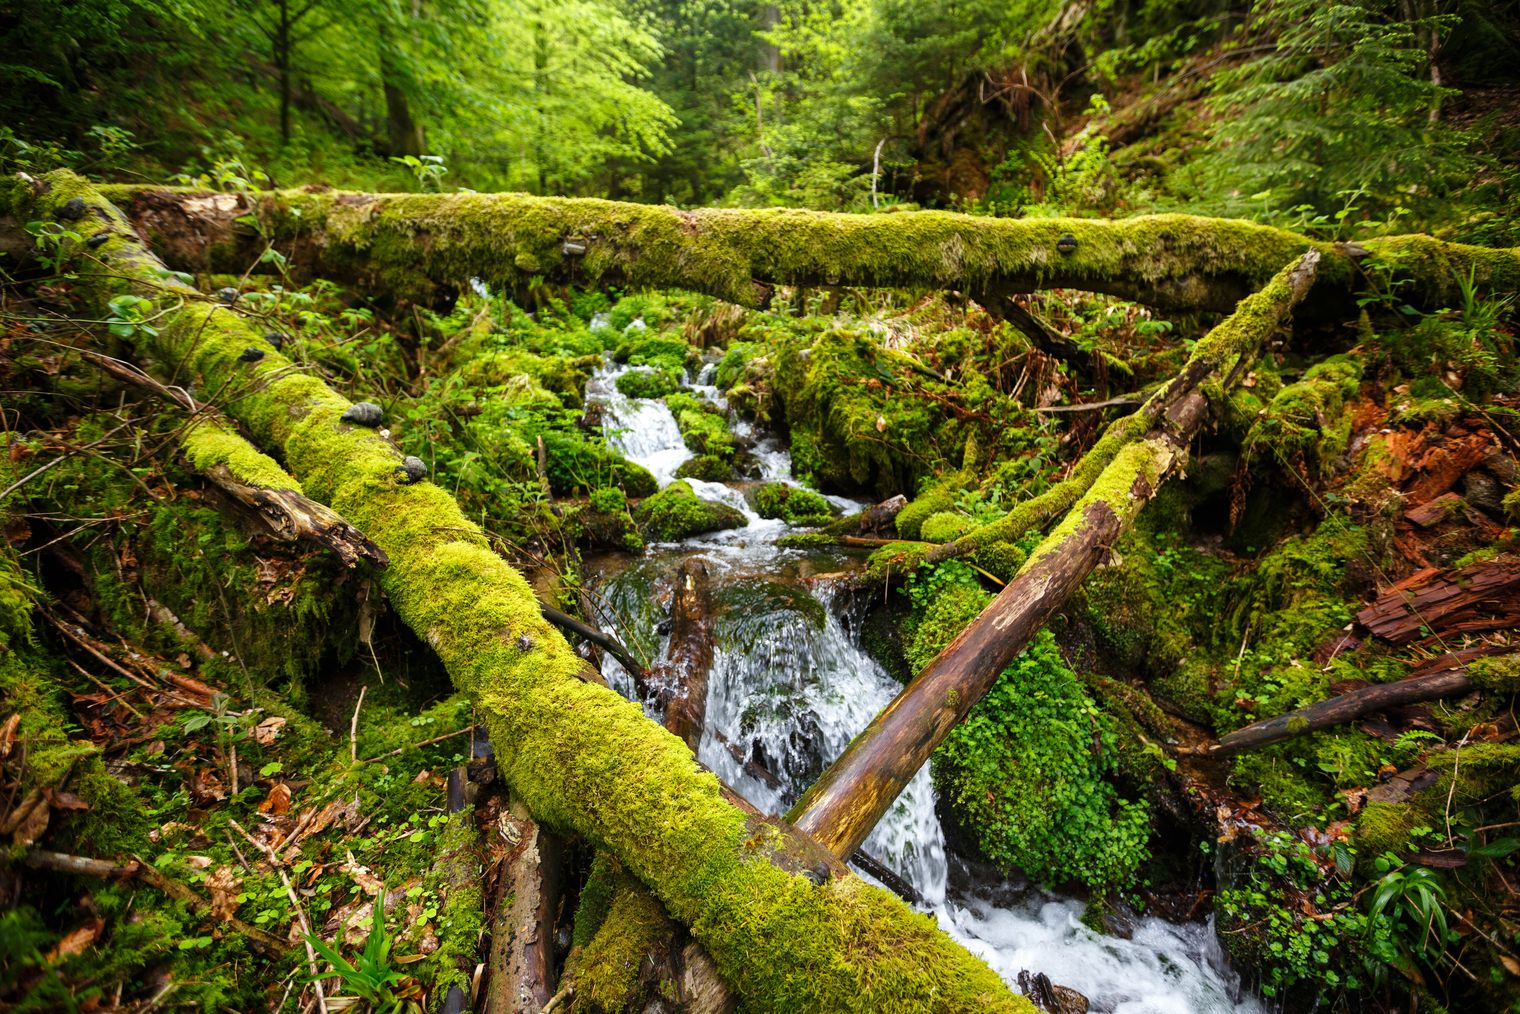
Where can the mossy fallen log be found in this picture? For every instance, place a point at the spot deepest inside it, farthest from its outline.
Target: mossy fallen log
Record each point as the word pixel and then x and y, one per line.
pixel 849 798
pixel 584 760
pixel 407 245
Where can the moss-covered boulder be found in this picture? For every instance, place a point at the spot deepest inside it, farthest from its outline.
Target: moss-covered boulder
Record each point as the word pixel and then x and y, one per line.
pixel 792 504
pixel 646 383
pixel 676 512
pixel 702 426
pixel 707 467
pixel 573 462
pixel 604 522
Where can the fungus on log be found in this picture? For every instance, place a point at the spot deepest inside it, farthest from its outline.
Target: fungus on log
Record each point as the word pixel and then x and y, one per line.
pixel 584 760
pixel 850 797
pixel 408 245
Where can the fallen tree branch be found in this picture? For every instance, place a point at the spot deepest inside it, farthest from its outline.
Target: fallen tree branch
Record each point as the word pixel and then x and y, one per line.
pixel 1345 708
pixel 601 638
pixel 264 941
pixel 788 928
pixel 418 242
pixel 215 449
pixel 848 799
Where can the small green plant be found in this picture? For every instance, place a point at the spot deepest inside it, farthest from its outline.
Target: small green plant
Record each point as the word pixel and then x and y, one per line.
pixel 52 241
pixel 373 976
pixel 1406 921
pixel 130 316
pixel 428 169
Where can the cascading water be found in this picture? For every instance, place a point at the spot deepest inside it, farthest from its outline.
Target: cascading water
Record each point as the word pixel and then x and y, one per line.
pixel 790 687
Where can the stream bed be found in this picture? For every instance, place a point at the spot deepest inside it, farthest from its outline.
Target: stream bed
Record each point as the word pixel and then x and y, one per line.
pixel 790 686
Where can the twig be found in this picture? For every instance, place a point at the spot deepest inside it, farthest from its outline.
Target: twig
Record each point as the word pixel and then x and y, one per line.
pixel 290 892
pixel 266 942
pixel 62 862
pixel 417 746
pixel 353 728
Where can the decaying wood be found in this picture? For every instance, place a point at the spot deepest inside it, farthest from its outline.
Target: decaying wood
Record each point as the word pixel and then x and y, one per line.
pixel 879 519
pixel 1345 708
pixel 61 862
pixel 1481 596
pixel 848 800
pixel 681 680
pixel 528 888
pixel 293 517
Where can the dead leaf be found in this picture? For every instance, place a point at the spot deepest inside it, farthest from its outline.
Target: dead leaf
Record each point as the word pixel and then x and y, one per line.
pixel 8 735
pixel 278 800
pixel 27 822
pixel 206 787
pixel 267 731
pixel 367 881
pixel 193 686
pixel 75 941
pixel 65 800
pixel 198 862
pixel 1510 965
pixel 223 886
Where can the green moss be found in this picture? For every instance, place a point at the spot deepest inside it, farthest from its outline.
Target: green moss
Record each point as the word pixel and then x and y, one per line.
pixel 936 499
pixel 676 513
pixel 607 973
pixel 1497 673
pixel 707 467
pixel 604 522
pixel 647 383
pixel 792 504
pixel 209 442
pixel 573 463
pixel 455 878
pixel 1307 423
pixel 945 526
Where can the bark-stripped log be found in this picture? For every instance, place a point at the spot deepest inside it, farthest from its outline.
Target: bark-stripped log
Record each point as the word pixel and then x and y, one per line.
pixel 848 800
pixel 584 760
pixel 681 680
pixel 1343 709
pixel 528 889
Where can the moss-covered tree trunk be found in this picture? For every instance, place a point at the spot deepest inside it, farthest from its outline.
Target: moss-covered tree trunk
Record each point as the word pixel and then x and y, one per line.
pixel 788 928
pixel 407 245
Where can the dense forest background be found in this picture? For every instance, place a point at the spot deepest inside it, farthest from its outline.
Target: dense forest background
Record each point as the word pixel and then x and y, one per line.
pixel 1337 116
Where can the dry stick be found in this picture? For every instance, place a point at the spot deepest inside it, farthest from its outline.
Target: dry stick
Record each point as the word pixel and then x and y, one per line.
pixel 1345 708
pixel 608 643
pixel 417 746
pixel 850 798
pixel 290 891
pixel 266 942
pixel 62 862
pixel 353 728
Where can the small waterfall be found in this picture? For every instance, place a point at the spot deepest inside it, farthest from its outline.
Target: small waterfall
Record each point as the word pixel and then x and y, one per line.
pixel 643 430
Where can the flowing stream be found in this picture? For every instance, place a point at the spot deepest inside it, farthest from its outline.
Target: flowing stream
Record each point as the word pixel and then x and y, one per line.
pixel 790 686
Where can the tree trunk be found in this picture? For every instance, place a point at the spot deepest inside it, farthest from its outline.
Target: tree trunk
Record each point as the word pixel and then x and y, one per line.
pixel 681 680
pixel 848 800
pixel 787 927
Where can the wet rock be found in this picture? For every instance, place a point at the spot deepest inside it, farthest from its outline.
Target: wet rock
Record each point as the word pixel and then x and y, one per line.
pixel 676 513
pixel 71 210
pixel 251 355
pixel 1048 996
pixel 275 338
pixel 1484 492
pixel 227 295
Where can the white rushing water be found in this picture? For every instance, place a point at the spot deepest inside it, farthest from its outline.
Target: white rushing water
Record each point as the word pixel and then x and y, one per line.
pixel 790 687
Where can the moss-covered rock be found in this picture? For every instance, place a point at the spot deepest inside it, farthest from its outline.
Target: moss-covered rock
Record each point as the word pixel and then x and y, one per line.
pixel 707 467
pixel 646 383
pixel 604 522
pixel 574 462
pixel 676 513
pixel 792 504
